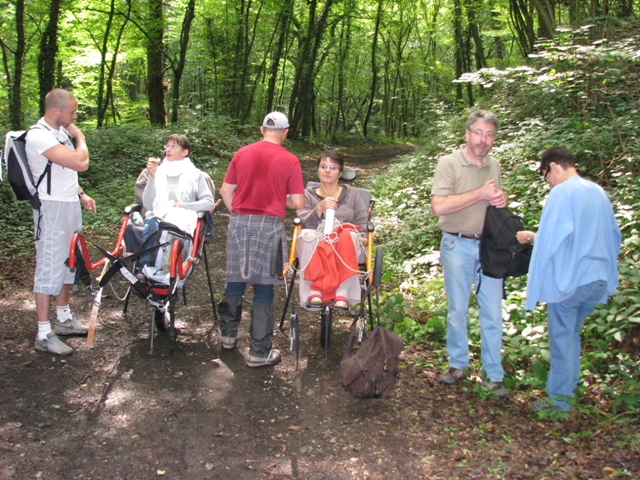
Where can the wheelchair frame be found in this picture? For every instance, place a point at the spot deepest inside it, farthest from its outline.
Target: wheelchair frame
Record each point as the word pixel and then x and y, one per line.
pixel 162 298
pixel 371 281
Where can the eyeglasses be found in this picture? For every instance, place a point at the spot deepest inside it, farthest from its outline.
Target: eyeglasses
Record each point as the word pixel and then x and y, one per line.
pixel 480 133
pixel 173 146
pixel 326 166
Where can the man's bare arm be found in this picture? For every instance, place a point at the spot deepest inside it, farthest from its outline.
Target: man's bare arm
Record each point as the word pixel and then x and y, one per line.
pixel 227 191
pixel 295 202
pixel 62 155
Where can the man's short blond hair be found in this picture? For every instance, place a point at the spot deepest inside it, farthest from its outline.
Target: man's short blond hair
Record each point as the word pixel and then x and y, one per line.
pixel 57 98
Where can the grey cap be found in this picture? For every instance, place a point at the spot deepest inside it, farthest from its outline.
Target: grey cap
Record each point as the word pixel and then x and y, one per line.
pixel 275 121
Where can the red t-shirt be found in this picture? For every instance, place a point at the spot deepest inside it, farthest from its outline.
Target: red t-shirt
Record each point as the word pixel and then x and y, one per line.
pixel 264 173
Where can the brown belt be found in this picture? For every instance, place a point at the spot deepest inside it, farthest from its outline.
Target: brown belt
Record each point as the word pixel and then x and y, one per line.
pixel 465 235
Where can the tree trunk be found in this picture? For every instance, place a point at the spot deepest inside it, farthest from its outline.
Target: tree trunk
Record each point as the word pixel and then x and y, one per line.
pixel 283 24
pixel 102 101
pixel 14 79
pixel 155 80
pixel 374 68
pixel 344 45
pixel 481 60
pixel 112 69
pixel 303 92
pixel 48 52
pixel 179 69
pixel 546 17
pixel 522 20
pixel 461 53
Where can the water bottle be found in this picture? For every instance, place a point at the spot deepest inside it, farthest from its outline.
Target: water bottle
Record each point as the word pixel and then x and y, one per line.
pixel 328 220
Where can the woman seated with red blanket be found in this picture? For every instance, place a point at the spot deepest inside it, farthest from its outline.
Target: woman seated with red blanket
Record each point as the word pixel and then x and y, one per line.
pixel 329 263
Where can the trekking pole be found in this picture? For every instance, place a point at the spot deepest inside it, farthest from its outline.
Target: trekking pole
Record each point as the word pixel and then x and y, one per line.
pixel 96 306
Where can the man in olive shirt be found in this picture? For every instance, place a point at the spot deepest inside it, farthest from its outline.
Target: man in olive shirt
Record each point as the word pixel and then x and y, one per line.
pixel 464 184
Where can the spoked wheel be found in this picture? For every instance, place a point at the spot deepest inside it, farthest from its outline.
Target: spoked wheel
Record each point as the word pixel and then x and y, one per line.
pixel 377 267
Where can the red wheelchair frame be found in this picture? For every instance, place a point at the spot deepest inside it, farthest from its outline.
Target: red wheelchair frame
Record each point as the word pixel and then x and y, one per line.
pixel 160 296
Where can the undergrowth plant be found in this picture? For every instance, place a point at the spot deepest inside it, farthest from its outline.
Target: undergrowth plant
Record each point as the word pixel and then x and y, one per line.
pixel 541 105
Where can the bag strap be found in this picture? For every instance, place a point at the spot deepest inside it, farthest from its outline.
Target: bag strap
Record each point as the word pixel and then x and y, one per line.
pixel 348 353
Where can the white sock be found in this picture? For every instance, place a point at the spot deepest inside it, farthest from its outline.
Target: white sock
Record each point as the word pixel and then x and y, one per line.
pixel 64 313
pixel 43 330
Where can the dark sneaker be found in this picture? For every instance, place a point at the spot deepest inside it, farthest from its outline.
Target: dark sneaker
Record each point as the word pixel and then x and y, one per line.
pixel 496 388
pixel 52 344
pixel 70 327
pixel 451 376
pixel 541 405
pixel 272 359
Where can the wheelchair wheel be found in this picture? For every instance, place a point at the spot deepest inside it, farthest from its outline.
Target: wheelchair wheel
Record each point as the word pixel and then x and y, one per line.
pixel 377 268
pixel 162 320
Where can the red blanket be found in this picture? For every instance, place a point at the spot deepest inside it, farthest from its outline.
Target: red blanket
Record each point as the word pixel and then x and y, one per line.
pixel 325 270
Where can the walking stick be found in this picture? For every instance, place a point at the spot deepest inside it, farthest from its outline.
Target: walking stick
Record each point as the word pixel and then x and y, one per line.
pixel 96 306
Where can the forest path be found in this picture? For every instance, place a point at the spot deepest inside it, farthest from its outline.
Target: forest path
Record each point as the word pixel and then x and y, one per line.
pixel 117 412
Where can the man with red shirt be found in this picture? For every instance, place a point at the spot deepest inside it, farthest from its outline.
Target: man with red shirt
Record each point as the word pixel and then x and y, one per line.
pixel 263 180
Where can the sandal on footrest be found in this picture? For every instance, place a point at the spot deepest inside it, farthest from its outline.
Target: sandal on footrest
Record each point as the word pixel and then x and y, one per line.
pixel 315 301
pixel 341 303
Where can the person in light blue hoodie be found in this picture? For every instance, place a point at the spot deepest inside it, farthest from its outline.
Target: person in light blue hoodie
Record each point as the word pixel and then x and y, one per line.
pixel 574 266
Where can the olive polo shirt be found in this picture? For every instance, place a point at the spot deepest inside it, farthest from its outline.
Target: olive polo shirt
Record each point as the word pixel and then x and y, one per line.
pixel 456 174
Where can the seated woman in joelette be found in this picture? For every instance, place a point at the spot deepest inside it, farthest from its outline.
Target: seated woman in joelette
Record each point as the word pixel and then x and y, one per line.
pixel 328 263
pixel 176 190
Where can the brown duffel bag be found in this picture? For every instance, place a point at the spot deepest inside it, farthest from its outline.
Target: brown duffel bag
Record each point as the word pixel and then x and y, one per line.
pixel 373 370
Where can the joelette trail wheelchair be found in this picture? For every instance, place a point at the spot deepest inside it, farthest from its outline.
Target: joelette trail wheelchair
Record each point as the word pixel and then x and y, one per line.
pixel 370 277
pixel 174 255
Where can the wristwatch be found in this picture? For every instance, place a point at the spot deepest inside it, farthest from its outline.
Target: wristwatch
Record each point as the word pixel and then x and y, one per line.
pixel 80 194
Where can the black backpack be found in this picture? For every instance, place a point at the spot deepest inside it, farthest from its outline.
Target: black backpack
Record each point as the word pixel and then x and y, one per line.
pixel 501 255
pixel 21 180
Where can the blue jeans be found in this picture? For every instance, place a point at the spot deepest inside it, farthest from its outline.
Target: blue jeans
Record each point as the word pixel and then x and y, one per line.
pixel 460 259
pixel 565 321
pixel 151 226
pixel 261 293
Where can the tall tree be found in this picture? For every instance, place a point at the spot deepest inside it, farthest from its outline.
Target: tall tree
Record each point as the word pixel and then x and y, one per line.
pixel 374 67
pixel 283 26
pixel 523 21
pixel 546 10
pixel 302 99
pixel 14 78
pixel 108 68
pixel 155 79
pixel 48 52
pixel 472 17
pixel 462 57
pixel 177 65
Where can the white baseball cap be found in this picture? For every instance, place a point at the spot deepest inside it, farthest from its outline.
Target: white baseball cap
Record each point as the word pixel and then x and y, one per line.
pixel 275 121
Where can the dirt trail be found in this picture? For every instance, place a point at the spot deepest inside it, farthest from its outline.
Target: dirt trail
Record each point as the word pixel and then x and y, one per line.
pixel 117 412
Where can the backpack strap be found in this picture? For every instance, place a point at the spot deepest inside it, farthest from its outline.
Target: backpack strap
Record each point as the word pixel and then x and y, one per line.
pixel 47 169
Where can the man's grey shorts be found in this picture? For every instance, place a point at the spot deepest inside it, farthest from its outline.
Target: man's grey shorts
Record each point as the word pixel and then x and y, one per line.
pixel 60 220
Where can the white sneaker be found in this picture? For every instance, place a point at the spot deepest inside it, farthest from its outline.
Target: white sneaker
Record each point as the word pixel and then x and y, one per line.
pixel 52 344
pixel 273 358
pixel 70 327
